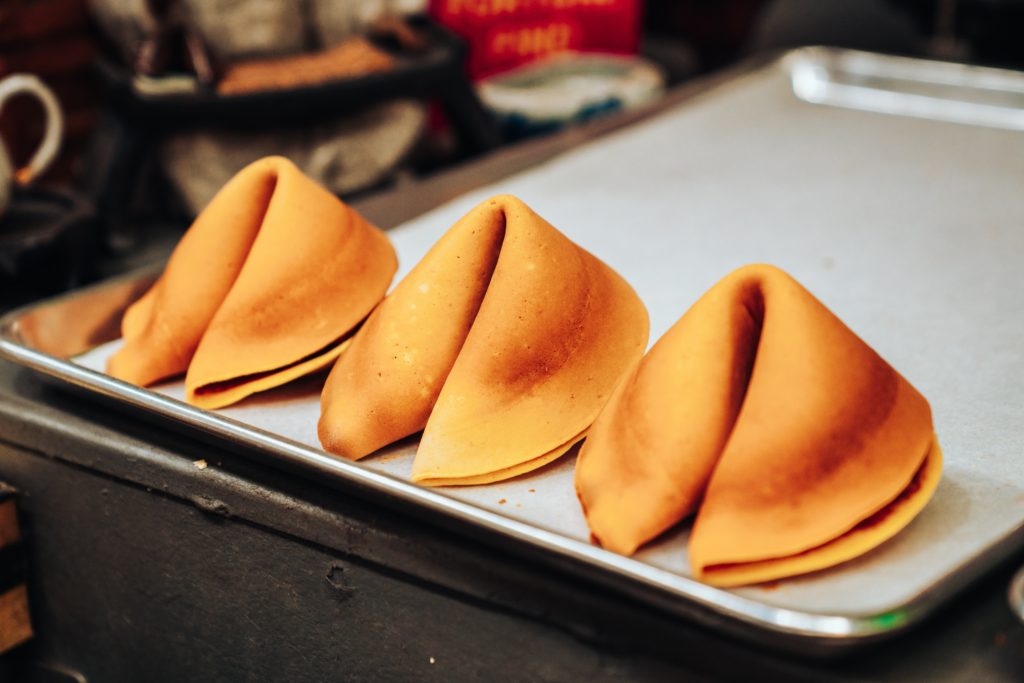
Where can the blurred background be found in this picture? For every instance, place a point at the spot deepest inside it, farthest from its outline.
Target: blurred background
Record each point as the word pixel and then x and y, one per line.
pixel 159 102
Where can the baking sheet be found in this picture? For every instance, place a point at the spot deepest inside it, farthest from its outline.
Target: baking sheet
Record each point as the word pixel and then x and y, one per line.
pixel 911 231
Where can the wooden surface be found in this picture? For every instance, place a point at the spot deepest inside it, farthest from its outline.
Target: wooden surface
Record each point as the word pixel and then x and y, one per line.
pixel 15 625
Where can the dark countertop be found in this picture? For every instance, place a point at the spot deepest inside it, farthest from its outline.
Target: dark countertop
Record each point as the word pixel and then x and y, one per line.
pixel 145 567
pixel 136 554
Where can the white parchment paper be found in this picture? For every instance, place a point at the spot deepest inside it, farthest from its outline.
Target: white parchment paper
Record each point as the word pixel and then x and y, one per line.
pixel 911 231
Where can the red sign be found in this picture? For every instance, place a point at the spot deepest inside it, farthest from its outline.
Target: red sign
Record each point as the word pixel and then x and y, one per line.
pixel 506 33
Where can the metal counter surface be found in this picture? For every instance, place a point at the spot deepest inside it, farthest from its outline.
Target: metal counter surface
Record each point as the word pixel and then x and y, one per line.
pixel 145 567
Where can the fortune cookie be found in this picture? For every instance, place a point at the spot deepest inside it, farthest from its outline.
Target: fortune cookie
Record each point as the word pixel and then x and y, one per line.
pixel 502 345
pixel 795 443
pixel 263 288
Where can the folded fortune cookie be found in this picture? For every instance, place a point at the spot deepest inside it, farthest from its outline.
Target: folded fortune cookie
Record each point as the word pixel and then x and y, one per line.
pixel 799 445
pixel 502 344
pixel 262 289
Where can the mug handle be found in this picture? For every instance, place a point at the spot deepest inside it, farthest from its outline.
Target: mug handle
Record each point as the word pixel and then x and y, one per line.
pixel 40 161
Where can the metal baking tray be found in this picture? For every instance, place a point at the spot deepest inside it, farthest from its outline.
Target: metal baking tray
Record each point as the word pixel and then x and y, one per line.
pixel 908 227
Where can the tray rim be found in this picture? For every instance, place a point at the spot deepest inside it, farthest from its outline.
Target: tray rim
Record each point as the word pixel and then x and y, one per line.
pixel 679 595
pixel 804 631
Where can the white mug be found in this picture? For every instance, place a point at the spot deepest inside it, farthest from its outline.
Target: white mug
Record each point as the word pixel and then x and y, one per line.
pixel 17 84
